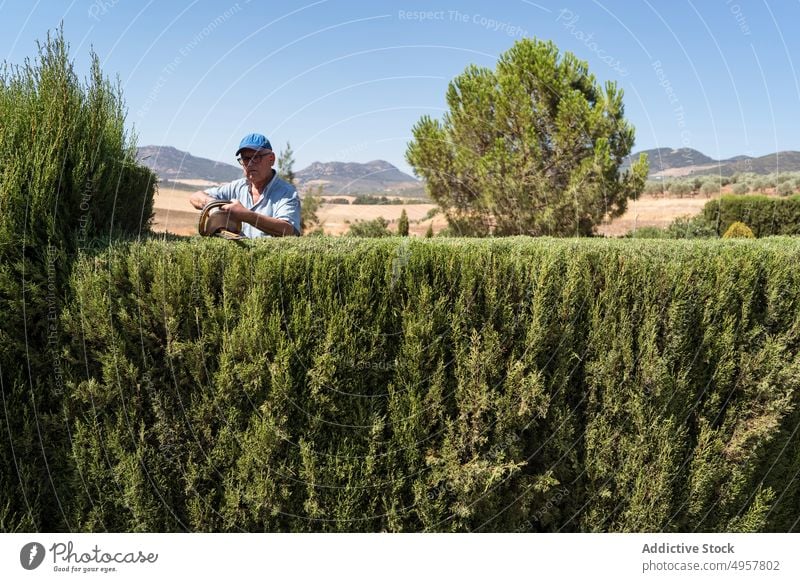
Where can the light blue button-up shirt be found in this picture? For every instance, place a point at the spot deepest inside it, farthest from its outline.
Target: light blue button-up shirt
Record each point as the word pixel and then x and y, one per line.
pixel 279 200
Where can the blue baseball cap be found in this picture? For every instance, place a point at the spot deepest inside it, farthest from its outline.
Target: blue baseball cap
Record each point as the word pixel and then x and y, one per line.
pixel 254 141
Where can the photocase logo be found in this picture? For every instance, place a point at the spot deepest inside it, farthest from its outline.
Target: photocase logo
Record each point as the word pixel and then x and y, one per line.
pixel 31 556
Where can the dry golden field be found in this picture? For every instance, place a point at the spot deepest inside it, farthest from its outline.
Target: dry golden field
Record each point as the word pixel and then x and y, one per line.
pixel 649 211
pixel 174 214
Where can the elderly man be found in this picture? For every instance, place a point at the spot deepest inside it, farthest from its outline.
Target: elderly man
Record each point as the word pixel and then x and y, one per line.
pixel 266 205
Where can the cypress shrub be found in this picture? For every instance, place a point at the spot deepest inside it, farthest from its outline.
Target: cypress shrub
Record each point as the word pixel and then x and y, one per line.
pixel 765 215
pixel 402 224
pixel 68 175
pixel 435 385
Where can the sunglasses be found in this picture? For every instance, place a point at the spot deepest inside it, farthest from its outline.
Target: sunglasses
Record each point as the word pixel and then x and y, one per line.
pixel 245 160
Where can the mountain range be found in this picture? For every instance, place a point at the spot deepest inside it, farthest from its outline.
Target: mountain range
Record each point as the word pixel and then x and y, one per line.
pixel 377 176
pixel 673 163
pixel 173 164
pixel 336 178
pixel 381 177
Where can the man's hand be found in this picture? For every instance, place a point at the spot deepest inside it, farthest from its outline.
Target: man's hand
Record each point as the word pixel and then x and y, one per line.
pixel 199 199
pixel 237 211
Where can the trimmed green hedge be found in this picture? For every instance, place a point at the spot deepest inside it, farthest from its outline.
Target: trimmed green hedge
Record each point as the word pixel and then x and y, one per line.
pixel 435 385
pixel 68 175
pixel 765 215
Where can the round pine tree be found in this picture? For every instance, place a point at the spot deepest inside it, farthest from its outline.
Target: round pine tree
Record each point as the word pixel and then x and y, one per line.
pixel 534 147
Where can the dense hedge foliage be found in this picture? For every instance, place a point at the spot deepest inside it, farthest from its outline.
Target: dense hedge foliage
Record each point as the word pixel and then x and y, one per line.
pixel 437 385
pixel 68 175
pixel 369 385
pixel 765 215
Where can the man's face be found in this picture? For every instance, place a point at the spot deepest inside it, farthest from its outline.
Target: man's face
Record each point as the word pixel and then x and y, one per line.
pixel 257 165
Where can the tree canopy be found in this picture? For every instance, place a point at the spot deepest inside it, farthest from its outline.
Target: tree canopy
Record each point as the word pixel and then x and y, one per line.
pixel 534 147
pixel 285 163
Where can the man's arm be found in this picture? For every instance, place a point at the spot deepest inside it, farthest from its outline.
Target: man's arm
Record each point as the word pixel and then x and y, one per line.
pixel 199 199
pixel 273 226
pixel 267 224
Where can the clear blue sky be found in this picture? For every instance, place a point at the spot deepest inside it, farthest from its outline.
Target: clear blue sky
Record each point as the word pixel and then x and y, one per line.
pixel 346 81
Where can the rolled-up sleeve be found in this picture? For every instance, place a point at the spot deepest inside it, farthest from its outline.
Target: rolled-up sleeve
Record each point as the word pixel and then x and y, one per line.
pixel 288 209
pixel 224 192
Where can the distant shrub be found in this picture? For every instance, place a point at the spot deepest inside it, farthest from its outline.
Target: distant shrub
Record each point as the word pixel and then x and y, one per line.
pixel 369 199
pixel 337 201
pixel 311 202
pixel 765 215
pixel 785 188
pixel 370 228
pixel 683 227
pixel 402 224
pixel 655 188
pixel 680 189
pixel 738 230
pixel 647 232
pixel 741 188
pixel 710 188
pixel 691 227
